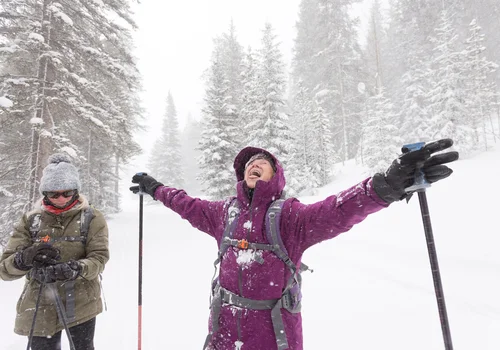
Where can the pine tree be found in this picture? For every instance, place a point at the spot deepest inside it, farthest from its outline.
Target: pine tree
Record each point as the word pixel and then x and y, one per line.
pixel 251 101
pixel 217 143
pixel 481 90
pixel 328 60
pixel 448 99
pixel 231 58
pixel 323 151
pixel 190 137
pixel 166 157
pixel 73 84
pixel 303 159
pixel 380 146
pixel 375 47
pixel 271 129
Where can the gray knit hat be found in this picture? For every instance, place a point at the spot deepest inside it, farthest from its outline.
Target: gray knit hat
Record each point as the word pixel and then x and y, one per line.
pixel 59 175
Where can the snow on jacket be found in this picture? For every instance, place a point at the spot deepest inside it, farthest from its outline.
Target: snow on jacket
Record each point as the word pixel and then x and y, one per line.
pixel 301 227
pixel 93 256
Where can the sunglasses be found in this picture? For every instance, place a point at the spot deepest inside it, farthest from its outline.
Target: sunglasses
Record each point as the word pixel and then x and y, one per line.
pixel 55 195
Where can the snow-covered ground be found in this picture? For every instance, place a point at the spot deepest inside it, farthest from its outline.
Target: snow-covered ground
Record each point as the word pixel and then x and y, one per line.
pixel 371 287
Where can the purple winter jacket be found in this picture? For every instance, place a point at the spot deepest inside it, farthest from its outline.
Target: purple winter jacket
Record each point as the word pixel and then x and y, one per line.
pixel 302 225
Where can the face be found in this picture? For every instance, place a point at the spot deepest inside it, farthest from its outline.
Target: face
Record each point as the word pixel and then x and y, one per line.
pixel 60 198
pixel 259 169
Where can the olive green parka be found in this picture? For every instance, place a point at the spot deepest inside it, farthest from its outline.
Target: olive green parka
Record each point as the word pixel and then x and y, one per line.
pixel 92 255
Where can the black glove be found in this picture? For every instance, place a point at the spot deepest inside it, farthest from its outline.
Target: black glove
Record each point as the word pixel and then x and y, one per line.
pixel 67 271
pixel 401 174
pixel 39 274
pixel 146 183
pixel 37 255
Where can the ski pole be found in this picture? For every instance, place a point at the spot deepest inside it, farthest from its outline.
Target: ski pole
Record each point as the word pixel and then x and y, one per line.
pixel 37 305
pixel 420 186
pixel 137 190
pixel 140 272
pixel 61 313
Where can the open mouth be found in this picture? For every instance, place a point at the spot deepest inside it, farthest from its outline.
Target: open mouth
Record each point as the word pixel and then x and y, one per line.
pixel 255 173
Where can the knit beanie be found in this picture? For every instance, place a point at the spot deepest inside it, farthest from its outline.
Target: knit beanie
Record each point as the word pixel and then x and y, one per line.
pixel 261 156
pixel 59 175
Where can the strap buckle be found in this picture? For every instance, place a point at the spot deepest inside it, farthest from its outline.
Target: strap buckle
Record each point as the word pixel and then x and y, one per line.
pixel 242 244
pixel 45 239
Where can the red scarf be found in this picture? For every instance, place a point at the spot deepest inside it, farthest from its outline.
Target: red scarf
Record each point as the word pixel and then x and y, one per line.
pixel 55 210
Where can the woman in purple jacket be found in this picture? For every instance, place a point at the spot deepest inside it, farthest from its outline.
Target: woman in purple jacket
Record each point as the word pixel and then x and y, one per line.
pixel 249 309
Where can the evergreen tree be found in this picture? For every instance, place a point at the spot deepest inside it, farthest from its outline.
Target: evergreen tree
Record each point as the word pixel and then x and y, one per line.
pixel 217 142
pixel 448 98
pixel 375 47
pixel 380 146
pixel 231 59
pixel 481 88
pixel 73 84
pixel 251 102
pixel 328 60
pixel 271 129
pixel 190 137
pixel 166 154
pixel 487 13
pixel 303 159
pixel 323 150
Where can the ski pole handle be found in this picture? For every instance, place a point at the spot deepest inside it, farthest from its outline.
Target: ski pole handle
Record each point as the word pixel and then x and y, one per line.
pixel 137 189
pixel 420 183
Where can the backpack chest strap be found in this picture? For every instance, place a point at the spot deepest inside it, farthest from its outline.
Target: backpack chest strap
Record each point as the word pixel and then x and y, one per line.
pixel 60 239
pixel 244 244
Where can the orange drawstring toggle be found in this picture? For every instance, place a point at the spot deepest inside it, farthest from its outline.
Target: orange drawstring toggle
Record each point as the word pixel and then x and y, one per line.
pixel 243 244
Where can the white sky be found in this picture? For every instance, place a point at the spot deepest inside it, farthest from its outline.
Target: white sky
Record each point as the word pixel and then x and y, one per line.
pixel 174 45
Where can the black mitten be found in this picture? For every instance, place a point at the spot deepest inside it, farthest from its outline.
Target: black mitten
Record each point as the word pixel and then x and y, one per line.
pixel 67 271
pixel 146 183
pixel 401 174
pixel 37 255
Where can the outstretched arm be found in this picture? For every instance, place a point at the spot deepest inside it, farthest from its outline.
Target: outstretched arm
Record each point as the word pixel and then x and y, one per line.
pixel 206 216
pixel 314 223
pixel 336 214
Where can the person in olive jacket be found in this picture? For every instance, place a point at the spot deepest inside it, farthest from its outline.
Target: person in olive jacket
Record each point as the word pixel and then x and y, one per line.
pixel 63 242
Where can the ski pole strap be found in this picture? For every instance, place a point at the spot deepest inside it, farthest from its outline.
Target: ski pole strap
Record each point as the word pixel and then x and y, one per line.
pixel 61 313
pixel 224 296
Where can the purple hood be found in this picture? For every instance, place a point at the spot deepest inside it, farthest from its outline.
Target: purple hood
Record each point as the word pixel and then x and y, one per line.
pixel 264 191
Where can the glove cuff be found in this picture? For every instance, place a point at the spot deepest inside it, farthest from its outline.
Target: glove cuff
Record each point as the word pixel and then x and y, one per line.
pixel 385 191
pixel 154 188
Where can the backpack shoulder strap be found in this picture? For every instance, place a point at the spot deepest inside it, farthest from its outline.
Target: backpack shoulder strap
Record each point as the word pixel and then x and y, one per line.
pixel 34 222
pixel 233 211
pixel 86 217
pixel 273 221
